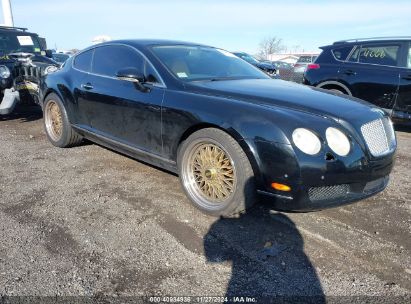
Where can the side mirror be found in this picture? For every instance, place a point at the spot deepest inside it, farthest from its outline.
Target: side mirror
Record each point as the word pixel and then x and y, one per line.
pixel 49 53
pixel 130 74
pixel 133 75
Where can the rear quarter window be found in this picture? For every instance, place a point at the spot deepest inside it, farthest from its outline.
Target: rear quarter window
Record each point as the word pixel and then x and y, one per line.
pixel 82 61
pixel 342 53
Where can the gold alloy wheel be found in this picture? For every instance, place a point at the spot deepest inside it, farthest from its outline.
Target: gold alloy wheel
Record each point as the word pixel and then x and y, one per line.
pixel 212 172
pixel 54 120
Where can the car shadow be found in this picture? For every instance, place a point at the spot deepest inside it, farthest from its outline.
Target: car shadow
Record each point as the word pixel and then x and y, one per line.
pixel 24 113
pixel 266 251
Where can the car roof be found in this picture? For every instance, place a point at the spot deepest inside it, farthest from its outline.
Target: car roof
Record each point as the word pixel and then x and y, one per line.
pixel 152 42
pixel 17 30
pixel 372 39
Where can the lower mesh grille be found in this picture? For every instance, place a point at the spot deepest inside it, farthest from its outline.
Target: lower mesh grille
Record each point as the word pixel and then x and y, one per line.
pixel 328 192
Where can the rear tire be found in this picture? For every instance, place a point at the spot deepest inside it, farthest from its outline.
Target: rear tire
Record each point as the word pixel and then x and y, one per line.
pixel 56 123
pixel 216 173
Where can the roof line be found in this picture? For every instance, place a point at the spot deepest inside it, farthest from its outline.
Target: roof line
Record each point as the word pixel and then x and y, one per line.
pixel 371 38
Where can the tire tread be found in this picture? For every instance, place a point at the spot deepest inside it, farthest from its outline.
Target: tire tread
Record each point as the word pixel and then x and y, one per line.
pixel 234 210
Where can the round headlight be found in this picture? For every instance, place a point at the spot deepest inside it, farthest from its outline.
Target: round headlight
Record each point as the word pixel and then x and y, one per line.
pixel 4 72
pixel 338 141
pixel 50 69
pixel 306 141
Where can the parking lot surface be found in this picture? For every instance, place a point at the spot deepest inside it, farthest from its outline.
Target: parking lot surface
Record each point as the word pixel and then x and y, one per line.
pixel 89 221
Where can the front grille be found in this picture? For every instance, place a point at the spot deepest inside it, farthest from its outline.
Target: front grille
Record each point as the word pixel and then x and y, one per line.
pixel 379 136
pixel 328 192
pixel 26 73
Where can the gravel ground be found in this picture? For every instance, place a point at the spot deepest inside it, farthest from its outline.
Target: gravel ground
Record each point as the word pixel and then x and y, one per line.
pixel 87 221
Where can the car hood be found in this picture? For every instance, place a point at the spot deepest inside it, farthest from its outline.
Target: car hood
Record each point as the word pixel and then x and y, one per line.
pixel 283 94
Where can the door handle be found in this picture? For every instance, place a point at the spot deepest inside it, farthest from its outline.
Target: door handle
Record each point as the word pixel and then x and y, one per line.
pixel 87 86
pixel 349 72
pixel 408 77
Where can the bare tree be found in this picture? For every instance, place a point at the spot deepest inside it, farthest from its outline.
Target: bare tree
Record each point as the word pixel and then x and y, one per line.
pixel 270 45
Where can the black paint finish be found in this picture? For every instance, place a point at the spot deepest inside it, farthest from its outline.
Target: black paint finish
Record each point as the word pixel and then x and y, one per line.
pixel 386 86
pixel 260 114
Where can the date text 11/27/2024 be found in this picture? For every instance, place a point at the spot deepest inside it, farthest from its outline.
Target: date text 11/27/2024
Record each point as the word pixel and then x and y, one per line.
pixel 202 299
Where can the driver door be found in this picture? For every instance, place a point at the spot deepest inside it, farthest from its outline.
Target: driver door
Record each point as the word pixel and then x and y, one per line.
pixel 117 109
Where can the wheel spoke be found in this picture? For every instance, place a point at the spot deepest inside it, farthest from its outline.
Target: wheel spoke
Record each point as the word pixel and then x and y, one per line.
pixel 54 120
pixel 213 172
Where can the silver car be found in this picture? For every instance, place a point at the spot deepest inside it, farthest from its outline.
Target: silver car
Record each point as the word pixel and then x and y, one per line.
pixel 301 66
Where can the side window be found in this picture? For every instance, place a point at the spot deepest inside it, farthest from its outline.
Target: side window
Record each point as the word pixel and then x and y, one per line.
pixel 109 59
pixel 379 54
pixel 354 55
pixel 342 52
pixel 82 62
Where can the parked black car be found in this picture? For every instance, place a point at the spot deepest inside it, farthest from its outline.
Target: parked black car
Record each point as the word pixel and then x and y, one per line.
pixel 23 61
pixel 224 126
pixel 377 70
pixel 264 66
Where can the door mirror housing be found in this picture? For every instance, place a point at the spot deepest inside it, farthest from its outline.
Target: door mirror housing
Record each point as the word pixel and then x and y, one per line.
pixel 133 75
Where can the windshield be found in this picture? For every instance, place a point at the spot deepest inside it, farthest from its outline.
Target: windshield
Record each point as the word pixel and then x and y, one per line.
pixel 19 42
pixel 191 63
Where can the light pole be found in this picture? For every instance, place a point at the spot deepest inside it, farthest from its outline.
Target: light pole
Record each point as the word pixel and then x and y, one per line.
pixel 7 13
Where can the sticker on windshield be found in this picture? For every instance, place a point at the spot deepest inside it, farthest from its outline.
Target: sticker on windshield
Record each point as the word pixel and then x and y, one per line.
pixel 37 50
pixel 228 54
pixel 182 75
pixel 25 40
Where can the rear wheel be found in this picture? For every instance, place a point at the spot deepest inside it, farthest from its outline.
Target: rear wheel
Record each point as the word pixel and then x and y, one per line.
pixel 338 91
pixel 56 123
pixel 216 173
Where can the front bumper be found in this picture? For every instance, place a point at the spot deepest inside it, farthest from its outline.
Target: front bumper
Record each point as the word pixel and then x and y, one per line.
pixel 322 197
pixel 9 101
pixel 317 183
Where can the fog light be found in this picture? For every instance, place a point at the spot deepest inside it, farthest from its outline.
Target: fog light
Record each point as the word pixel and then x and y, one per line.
pixel 281 187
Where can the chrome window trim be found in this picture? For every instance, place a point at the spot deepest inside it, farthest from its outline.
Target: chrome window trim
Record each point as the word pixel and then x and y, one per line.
pixel 159 85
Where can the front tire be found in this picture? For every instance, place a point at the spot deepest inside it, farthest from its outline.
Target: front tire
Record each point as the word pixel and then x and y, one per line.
pixel 216 173
pixel 56 123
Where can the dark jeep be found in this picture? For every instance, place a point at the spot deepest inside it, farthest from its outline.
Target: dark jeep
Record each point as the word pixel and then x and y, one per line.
pixel 23 62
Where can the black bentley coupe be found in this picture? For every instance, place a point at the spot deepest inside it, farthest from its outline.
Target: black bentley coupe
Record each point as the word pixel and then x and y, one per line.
pixel 228 130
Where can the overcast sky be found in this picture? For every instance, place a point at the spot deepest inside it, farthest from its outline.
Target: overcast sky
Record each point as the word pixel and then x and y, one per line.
pixel 232 25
